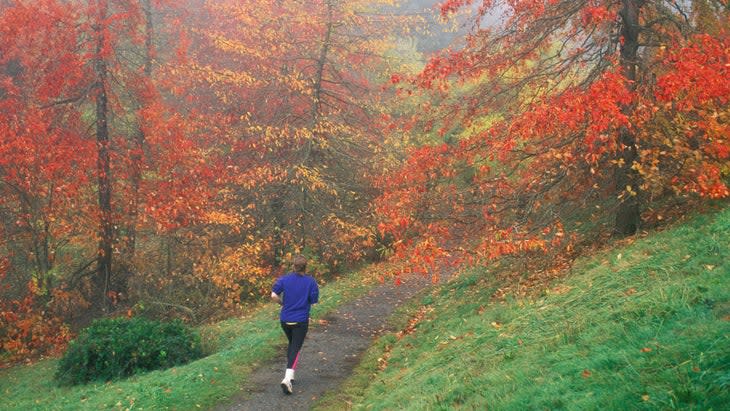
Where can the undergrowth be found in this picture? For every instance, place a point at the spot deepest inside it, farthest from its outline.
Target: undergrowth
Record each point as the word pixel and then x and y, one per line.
pixel 116 348
pixel 642 326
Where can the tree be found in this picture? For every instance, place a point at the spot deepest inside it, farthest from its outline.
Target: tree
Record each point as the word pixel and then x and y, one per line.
pixel 297 82
pixel 558 109
pixel 133 118
pixel 44 154
pixel 73 89
pixel 138 146
pixel 44 159
pixel 104 178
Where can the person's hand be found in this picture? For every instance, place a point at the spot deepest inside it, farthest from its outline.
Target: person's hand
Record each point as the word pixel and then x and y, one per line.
pixel 276 298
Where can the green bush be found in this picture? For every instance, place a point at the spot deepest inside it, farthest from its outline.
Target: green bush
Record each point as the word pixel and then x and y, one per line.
pixel 116 348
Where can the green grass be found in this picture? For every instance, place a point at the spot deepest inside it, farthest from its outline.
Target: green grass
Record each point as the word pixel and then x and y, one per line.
pixel 643 326
pixel 239 345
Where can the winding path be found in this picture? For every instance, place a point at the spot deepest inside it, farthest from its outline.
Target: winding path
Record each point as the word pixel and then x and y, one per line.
pixel 330 353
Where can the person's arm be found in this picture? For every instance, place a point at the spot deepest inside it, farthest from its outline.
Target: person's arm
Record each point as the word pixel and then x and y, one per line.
pixel 314 294
pixel 275 297
pixel 276 291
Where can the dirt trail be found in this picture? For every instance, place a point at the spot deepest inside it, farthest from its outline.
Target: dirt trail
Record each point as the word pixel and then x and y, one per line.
pixel 330 353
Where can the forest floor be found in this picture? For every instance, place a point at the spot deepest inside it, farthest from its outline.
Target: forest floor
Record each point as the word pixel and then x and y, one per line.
pixel 330 353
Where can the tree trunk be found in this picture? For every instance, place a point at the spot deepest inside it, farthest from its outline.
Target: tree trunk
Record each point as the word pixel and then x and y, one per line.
pixel 628 216
pixel 104 262
pixel 139 140
pixel 315 113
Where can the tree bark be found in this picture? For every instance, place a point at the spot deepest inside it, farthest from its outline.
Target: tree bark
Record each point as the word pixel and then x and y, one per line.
pixel 106 225
pixel 315 114
pixel 628 216
pixel 139 139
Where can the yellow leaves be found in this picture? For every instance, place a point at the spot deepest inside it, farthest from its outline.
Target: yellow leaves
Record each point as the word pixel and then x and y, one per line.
pixel 235 46
pixel 297 82
pixel 566 156
pixel 255 177
pixel 225 76
pixel 219 217
pixel 233 269
pixel 313 180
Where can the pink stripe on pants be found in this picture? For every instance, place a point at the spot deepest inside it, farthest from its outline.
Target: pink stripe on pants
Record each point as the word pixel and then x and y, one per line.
pixel 296 360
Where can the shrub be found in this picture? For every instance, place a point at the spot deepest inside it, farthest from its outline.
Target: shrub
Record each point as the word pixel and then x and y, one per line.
pixel 117 348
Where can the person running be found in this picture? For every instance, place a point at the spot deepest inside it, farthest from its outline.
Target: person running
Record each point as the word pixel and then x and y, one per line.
pixel 299 291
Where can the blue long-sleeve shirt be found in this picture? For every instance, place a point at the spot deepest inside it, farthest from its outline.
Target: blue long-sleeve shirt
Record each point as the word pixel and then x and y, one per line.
pixel 300 292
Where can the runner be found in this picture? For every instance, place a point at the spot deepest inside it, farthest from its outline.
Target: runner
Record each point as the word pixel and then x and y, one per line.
pixel 299 291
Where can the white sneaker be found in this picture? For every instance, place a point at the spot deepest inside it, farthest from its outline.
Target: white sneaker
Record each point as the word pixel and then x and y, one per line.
pixel 286 386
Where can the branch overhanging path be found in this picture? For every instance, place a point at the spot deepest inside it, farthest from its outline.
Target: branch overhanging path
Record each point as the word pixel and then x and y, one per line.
pixel 330 353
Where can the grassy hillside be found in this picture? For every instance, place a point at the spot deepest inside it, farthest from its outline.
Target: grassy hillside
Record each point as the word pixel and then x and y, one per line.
pixel 238 345
pixel 643 326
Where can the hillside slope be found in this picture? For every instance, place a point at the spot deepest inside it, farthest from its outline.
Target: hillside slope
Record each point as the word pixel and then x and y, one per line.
pixel 645 325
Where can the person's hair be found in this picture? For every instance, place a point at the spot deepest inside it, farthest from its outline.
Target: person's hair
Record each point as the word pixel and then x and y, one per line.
pixel 299 263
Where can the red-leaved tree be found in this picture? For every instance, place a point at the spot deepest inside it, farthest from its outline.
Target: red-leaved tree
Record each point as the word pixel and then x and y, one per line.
pixel 558 114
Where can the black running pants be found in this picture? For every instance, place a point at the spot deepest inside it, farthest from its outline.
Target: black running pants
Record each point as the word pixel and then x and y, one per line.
pixel 295 333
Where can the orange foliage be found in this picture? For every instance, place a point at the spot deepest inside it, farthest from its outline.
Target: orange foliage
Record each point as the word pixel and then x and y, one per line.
pixel 237 273
pixel 560 100
pixel 26 330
